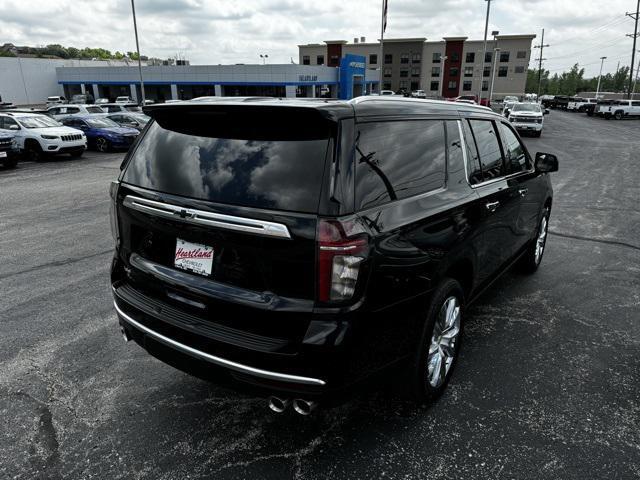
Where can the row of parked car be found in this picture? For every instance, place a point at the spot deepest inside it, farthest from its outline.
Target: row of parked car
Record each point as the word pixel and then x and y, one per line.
pixel 606 108
pixel 525 116
pixel 67 129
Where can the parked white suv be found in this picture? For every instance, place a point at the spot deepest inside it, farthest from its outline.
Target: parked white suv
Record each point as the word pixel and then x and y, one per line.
pixel 121 107
pixel 579 104
pixel 419 94
pixel 621 109
pixel 60 111
pixel 39 135
pixel 56 100
pixel 124 99
pixel 527 117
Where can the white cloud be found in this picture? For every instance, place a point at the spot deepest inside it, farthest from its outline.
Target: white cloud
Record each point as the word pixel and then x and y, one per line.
pixel 233 31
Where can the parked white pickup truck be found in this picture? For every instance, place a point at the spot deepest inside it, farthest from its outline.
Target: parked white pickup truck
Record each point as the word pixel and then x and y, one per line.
pixel 622 109
pixel 578 104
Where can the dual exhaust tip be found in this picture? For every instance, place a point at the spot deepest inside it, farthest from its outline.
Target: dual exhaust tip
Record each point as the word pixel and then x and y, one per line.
pixel 300 405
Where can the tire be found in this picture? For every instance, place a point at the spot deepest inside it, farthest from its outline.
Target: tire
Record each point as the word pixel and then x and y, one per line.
pixel 590 113
pixel 618 116
pixel 102 145
pixel 33 152
pixel 436 353
pixel 530 261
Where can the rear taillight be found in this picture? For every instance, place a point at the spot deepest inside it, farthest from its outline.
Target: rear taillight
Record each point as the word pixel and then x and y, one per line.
pixel 342 247
pixel 113 215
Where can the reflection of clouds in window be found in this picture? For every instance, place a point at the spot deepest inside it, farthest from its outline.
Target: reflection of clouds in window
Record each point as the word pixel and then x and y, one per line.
pixel 267 174
pixel 290 160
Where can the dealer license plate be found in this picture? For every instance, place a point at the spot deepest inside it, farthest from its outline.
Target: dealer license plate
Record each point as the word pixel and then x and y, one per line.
pixel 193 257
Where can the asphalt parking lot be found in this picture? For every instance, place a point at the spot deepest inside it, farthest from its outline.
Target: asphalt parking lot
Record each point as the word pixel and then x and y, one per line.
pixel 547 386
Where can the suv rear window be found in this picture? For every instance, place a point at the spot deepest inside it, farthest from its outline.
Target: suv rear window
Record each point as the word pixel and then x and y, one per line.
pixel 255 171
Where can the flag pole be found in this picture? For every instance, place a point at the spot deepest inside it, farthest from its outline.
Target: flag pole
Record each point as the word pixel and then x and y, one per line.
pixel 381 60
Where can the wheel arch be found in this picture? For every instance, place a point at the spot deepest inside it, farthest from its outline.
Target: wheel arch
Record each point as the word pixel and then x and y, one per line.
pixel 462 270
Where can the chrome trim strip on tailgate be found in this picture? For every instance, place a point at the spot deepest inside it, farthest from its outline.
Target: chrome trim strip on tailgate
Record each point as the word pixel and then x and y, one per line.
pixel 211 219
pixel 238 367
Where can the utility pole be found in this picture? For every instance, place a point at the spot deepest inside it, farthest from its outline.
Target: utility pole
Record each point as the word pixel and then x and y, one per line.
pixel 600 76
pixel 484 50
pixel 383 27
pixel 634 35
pixel 135 29
pixel 541 47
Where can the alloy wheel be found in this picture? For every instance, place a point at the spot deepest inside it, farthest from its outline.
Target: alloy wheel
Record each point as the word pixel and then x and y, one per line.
pixel 101 144
pixel 541 240
pixel 443 342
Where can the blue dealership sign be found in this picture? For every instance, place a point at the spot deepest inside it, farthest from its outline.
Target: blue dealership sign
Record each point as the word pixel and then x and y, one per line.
pixel 352 69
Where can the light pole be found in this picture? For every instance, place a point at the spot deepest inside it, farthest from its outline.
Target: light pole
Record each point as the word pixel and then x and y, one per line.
pixel 600 76
pixel 493 75
pixel 484 48
pixel 264 58
pixel 495 34
pixel 443 59
pixel 135 29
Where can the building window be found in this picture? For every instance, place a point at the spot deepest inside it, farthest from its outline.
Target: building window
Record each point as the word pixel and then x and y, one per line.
pixel 306 60
pixel 388 58
pixel 435 86
pixel 436 57
pixel 520 69
pixel 453 85
pixel 320 60
pixel 455 57
pixel 386 86
pixel 466 85
pixel 471 57
pixel 387 72
pixel 521 54
pixel 415 71
pixel 468 71
pixel 373 59
pixel 404 73
pixel 435 71
pixel 454 72
pixel 416 57
pixel 415 85
pixel 485 85
pixel 504 57
pixel 502 71
pixel 403 84
pixel 487 57
pixel 404 58
pixel 486 72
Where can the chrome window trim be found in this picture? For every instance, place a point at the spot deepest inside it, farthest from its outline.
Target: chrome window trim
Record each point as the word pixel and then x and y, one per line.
pixel 210 219
pixel 231 365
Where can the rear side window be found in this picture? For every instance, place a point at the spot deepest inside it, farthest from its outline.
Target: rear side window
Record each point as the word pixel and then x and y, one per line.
pixel 94 110
pixel 264 173
pixel 396 160
pixel 473 159
pixel 488 144
pixel 515 153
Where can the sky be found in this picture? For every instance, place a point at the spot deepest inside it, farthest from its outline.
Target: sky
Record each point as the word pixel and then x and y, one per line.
pixel 238 31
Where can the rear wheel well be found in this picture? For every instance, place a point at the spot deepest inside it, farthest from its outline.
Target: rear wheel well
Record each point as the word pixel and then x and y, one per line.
pixel 462 272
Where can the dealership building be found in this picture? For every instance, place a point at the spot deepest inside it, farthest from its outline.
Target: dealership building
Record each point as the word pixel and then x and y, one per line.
pixel 450 67
pixel 348 79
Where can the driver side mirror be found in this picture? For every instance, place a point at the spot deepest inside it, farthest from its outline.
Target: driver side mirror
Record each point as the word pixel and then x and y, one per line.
pixel 546 162
pixel 546 111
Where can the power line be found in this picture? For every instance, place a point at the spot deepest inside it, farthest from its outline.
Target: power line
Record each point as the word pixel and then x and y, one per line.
pixel 614 22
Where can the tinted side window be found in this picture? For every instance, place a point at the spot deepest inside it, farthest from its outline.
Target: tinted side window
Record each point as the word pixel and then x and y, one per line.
pixel 484 132
pixel 454 148
pixel 516 157
pixel 396 160
pixel 473 159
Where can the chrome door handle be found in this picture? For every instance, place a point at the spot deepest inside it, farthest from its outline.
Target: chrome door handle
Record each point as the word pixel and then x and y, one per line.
pixel 492 206
pixel 523 191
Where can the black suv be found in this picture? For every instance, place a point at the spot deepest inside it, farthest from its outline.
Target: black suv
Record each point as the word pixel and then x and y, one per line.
pixel 8 150
pixel 301 246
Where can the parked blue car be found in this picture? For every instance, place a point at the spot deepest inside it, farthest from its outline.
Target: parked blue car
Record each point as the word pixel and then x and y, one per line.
pixel 102 133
